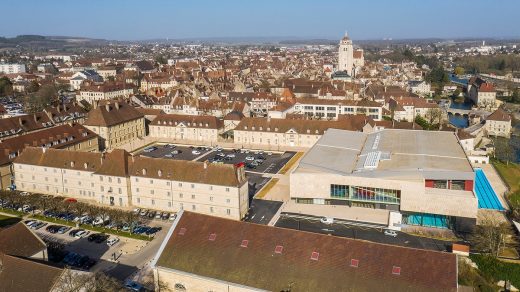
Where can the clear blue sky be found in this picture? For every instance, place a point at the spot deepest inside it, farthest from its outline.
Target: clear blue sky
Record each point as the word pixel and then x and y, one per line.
pixel 364 19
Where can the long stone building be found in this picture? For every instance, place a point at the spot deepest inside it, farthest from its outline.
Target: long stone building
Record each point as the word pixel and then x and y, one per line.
pixel 119 179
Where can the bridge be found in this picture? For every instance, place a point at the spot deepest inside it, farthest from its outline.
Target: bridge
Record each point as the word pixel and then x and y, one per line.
pixel 457 111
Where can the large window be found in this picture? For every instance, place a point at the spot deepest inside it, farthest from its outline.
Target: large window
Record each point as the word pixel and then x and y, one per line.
pixel 440 184
pixel 365 194
pixel 338 191
pixel 457 184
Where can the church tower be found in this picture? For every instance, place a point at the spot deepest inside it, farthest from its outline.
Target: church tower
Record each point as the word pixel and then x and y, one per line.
pixel 346 55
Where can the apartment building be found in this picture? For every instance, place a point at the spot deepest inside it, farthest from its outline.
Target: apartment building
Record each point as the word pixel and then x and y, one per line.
pixel 482 93
pixel 183 127
pixel 94 93
pixel 121 180
pixel 12 68
pixel 275 133
pixel 156 81
pixel 332 108
pixel 117 123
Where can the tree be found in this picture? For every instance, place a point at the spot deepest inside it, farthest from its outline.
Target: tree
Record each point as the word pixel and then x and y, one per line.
pixel 515 96
pixel 6 86
pixel 79 281
pixel 433 116
pixel 502 150
pixel 490 235
pixel 459 71
pixel 33 86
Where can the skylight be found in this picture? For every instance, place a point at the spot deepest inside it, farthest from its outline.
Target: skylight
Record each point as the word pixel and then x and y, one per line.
pixel 244 243
pixel 212 236
pixel 354 263
pixel 278 249
pixel 396 270
pixel 315 255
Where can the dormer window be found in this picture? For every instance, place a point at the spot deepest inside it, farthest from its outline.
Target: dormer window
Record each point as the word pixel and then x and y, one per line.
pixel 159 173
pixel 72 164
pixel 85 165
pixel 253 128
pixel 308 131
pixel 276 129
pixel 144 171
pixel 260 129
pixel 245 127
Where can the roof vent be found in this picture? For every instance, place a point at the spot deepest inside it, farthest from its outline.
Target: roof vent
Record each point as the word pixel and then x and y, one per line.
pixel 278 249
pixel 315 255
pixel 244 243
pixel 212 237
pixel 396 270
pixel 354 263
pixel 182 231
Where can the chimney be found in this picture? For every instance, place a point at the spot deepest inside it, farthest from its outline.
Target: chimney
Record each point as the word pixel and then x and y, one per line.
pixel 205 165
pixel 117 104
pixel 385 88
pixel 107 107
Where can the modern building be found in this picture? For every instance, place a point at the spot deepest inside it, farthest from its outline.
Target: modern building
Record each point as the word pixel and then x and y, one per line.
pixel 206 253
pixel 204 129
pixel 413 177
pixel 77 78
pixel 319 108
pixel 6 68
pixel 122 180
pixel 117 123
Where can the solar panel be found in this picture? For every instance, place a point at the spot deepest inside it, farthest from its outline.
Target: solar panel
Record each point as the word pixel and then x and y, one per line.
pixel 372 160
pixel 212 236
pixel 278 249
pixel 315 255
pixel 376 142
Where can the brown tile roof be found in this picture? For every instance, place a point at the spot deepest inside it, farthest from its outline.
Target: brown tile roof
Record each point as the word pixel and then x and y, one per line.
pixel 112 113
pixel 27 275
pixel 350 122
pixel 18 240
pixel 115 163
pixel 259 266
pixel 186 171
pixel 499 115
pixel 56 137
pixel 66 159
pixel 172 120
pixel 24 123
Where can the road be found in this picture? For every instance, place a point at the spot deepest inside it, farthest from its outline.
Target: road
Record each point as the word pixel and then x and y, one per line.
pixel 364 233
pixel 261 211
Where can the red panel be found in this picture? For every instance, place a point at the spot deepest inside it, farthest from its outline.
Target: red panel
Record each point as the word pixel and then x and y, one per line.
pixel 428 183
pixel 468 185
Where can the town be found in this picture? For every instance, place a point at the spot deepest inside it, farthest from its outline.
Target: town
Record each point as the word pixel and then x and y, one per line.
pixel 184 165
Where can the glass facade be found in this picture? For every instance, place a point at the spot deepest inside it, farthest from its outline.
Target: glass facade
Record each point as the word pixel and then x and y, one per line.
pixel 365 194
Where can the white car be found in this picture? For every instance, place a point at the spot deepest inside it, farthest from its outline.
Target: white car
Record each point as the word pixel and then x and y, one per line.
pixel 137 211
pixel 250 158
pixel 24 194
pixel 113 240
pixel 81 234
pixel 172 216
pixel 231 155
pixel 30 223
pixel 327 220
pixel 390 232
pixel 195 152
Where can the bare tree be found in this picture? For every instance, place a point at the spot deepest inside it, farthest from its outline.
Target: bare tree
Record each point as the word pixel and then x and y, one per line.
pixel 491 234
pixel 433 116
pixel 76 281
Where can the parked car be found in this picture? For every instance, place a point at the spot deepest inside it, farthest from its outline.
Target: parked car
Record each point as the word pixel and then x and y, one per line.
pixel 112 241
pixel 390 232
pixel 151 214
pixel 175 152
pixel 134 286
pixel 169 155
pixel 165 216
pixel 231 155
pixel 38 225
pixel 149 149
pixel 250 158
pixel 72 233
pixel 158 215
pixel 82 233
pixel 327 220
pixel 136 211
pixel 172 216
pixel 195 152
pixel 144 212
pixel 63 229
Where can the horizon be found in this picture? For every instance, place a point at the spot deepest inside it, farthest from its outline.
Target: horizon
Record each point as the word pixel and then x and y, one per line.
pixel 401 20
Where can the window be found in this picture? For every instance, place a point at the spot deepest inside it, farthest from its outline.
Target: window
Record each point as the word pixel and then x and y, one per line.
pixel 228 211
pixel 153 202
pixel 227 190
pixel 440 184
pixel 228 201
pixel 138 200
pixel 193 207
pixel 338 191
pixel 211 209
pixel 211 199
pixel 192 186
pixel 458 184
pixel 181 195
pixel 169 204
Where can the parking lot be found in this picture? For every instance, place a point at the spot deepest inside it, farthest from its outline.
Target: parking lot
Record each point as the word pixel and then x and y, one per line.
pixel 256 162
pixel 364 233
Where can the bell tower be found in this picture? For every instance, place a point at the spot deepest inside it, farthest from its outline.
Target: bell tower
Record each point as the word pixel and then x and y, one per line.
pixel 346 55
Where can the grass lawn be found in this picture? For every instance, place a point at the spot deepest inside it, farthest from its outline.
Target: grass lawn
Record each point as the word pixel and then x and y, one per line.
pixel 496 270
pixel 8 220
pixel 12 212
pixel 510 173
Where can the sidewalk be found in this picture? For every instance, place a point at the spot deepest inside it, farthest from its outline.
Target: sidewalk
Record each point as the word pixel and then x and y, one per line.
pixel 496 182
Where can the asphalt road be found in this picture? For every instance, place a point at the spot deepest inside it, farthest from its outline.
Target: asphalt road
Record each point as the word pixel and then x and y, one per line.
pixel 364 233
pixel 262 211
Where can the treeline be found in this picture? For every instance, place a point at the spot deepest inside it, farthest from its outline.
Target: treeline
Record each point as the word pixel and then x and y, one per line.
pixel 499 64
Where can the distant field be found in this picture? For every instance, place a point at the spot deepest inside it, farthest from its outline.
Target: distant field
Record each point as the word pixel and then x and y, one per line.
pixel 8 220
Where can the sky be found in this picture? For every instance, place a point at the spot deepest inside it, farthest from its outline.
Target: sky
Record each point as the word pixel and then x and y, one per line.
pixel 363 19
